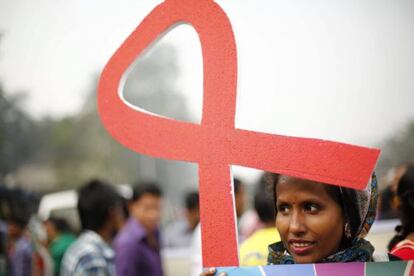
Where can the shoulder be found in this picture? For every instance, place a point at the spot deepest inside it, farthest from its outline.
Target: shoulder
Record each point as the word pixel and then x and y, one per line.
pixel 85 255
pixel 129 236
pixel 24 246
pixel 264 236
pixel 404 250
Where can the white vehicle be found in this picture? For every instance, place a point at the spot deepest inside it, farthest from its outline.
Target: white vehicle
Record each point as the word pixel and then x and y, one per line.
pixel 63 205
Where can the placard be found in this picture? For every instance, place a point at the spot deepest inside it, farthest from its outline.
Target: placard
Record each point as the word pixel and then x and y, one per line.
pixel 216 144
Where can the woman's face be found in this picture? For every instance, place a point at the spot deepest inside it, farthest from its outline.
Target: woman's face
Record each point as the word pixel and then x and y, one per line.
pixel 310 222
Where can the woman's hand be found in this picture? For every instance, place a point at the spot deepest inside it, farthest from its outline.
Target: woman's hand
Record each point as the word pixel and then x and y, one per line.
pixel 210 272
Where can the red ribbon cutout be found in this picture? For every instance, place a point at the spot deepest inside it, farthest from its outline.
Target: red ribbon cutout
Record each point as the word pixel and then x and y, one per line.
pixel 216 144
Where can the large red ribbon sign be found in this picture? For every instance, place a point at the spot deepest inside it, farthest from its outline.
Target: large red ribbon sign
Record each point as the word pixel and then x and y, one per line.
pixel 215 144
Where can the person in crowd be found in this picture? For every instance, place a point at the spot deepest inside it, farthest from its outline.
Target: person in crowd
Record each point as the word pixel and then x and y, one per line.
pixel 250 221
pixel 402 245
pixel 101 216
pixel 3 230
pixel 386 204
pixel 320 223
pixel 3 247
pixel 240 204
pixel 239 196
pixel 179 233
pixel 253 251
pixel 19 246
pixel 60 237
pixel 137 246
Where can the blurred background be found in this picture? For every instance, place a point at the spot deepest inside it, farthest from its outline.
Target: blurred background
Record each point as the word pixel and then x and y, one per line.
pixel 335 70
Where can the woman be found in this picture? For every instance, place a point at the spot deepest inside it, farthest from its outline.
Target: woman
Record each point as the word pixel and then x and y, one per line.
pixel 402 245
pixel 320 223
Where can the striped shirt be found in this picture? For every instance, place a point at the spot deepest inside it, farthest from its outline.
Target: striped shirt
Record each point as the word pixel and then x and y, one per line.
pixel 88 255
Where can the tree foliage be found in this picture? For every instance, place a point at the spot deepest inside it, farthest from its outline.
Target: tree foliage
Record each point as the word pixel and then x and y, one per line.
pixel 16 135
pixel 76 148
pixel 398 149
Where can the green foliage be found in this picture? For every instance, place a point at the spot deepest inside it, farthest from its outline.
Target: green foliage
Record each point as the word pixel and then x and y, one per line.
pixel 16 141
pixel 64 153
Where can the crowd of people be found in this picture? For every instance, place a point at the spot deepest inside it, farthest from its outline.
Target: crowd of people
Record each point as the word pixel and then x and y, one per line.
pixel 292 221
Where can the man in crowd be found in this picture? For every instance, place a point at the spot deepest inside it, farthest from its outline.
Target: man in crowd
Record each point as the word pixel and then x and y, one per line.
pixel 19 246
pixel 101 215
pixel 254 250
pixel 180 232
pixel 60 238
pixel 137 246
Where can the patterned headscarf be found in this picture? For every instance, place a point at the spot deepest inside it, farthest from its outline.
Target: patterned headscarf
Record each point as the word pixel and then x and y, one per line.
pixel 362 204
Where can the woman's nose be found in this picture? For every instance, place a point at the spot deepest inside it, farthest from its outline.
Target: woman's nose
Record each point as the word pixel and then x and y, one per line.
pixel 297 225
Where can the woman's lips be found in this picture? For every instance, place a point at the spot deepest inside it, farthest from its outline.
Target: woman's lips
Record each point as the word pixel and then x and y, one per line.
pixel 300 247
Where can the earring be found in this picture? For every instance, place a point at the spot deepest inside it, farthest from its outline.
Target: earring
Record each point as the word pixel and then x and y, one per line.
pixel 347 231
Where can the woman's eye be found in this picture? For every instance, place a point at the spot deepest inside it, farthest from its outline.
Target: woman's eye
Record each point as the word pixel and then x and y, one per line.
pixel 283 209
pixel 312 208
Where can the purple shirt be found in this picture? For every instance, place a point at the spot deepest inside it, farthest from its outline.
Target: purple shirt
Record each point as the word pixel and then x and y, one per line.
pixel 21 257
pixel 133 255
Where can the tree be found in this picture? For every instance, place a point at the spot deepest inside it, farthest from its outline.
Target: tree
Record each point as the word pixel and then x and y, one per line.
pixel 398 149
pixel 16 139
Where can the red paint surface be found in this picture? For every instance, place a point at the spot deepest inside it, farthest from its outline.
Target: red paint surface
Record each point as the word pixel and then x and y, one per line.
pixel 216 144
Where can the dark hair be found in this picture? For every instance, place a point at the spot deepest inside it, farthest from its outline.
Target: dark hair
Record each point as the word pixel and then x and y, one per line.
pixel 18 206
pixel 264 206
pixel 96 200
pixel 237 185
pixel 60 224
pixel 385 208
pixel 405 193
pixel 143 188
pixel 192 201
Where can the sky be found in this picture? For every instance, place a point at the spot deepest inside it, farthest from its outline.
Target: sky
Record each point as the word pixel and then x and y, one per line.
pixel 330 69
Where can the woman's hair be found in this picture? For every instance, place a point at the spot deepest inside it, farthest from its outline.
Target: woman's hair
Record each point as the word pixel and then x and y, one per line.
pixel 334 191
pixel 405 193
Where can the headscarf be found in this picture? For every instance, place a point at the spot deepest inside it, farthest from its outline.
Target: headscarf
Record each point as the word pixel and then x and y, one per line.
pixel 360 209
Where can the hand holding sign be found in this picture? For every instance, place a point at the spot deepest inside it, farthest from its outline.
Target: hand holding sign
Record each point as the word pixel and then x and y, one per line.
pixel 216 144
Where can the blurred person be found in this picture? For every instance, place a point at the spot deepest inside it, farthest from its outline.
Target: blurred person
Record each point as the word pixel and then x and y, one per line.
pixel 240 196
pixel 402 244
pixel 387 205
pixel 19 247
pixel 3 247
pixel 101 216
pixel 395 175
pixel 254 250
pixel 387 201
pixel 137 246
pixel 3 230
pixel 179 233
pixel 250 221
pixel 240 205
pixel 42 261
pixel 60 237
